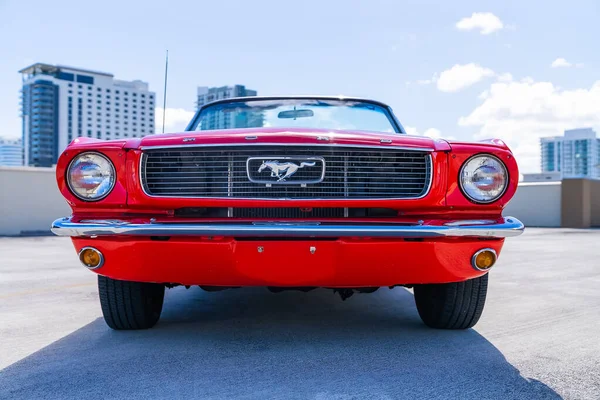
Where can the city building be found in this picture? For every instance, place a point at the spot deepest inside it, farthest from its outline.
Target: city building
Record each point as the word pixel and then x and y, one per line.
pixel 207 95
pixel 11 153
pixel 62 103
pixel 574 155
pixel 224 120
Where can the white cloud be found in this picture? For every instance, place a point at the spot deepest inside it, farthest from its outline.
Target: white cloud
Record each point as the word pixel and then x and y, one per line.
pixel 505 77
pixel 562 63
pixel 176 119
pixel 485 22
pixel 461 76
pixel 520 112
pixel 427 81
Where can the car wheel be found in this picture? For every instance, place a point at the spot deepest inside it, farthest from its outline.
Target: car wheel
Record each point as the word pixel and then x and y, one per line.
pixel 130 305
pixel 456 305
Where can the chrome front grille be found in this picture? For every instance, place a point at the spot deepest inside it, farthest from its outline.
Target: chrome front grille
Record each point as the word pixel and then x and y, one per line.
pixel 222 172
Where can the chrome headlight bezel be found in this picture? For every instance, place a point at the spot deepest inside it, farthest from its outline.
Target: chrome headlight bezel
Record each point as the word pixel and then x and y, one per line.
pixel 113 175
pixel 466 164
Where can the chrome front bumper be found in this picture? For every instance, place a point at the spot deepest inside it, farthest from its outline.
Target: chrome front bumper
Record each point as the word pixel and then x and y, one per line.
pixel 506 227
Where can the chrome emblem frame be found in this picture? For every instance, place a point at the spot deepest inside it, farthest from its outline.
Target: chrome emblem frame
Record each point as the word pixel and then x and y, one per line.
pixel 283 168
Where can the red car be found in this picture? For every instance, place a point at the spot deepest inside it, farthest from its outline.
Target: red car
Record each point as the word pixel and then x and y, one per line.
pixel 289 193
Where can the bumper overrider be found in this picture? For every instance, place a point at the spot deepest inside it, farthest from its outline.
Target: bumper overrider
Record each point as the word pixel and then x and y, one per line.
pixel 262 254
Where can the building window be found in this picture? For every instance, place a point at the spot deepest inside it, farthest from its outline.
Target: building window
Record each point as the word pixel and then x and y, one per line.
pixel 85 79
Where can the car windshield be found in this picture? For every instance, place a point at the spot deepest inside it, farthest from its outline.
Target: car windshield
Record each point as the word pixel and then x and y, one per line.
pixel 295 113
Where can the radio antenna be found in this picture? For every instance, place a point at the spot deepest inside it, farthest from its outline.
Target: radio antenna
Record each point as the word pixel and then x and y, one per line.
pixel 165 93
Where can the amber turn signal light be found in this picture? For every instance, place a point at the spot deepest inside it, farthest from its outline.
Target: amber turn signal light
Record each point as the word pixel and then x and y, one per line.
pixel 484 259
pixel 91 258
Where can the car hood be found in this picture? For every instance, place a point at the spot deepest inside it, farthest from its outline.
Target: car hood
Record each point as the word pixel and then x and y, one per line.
pixel 289 136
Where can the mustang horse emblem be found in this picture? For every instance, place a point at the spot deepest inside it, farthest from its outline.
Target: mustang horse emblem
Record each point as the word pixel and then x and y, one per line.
pixel 284 170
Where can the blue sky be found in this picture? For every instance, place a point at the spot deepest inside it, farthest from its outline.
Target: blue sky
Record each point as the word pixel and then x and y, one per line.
pixel 445 71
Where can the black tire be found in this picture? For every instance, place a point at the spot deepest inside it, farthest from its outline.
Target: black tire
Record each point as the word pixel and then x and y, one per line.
pixel 130 305
pixel 455 305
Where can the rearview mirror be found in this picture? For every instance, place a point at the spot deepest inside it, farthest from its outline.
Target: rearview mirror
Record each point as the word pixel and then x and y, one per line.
pixel 295 114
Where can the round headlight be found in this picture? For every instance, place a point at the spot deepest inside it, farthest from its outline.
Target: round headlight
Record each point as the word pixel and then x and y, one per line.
pixel 91 176
pixel 483 178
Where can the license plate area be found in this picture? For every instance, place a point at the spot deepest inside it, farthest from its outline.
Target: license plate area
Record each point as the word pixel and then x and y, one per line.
pixel 295 263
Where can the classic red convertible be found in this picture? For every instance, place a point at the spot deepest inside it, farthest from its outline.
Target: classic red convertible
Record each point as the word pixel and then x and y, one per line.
pixel 289 193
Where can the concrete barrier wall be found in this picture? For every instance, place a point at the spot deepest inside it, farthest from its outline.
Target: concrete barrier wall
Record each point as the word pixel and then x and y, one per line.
pixel 537 204
pixel 595 202
pixel 29 200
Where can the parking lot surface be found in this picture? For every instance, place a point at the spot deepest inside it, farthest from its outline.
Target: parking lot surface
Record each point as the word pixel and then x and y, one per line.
pixel 538 337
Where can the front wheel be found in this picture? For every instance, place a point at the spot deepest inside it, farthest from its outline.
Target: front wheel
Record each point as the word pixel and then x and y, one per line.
pixel 130 305
pixel 456 305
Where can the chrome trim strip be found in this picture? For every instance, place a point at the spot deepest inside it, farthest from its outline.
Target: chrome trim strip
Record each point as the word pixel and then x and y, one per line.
pixel 425 193
pixel 509 227
pixel 357 146
pixel 481 251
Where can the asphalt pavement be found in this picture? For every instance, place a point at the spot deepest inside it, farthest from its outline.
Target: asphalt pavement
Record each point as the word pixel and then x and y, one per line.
pixel 539 337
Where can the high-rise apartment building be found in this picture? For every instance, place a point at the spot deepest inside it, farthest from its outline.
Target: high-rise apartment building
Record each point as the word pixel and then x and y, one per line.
pixel 62 103
pixel 11 152
pixel 225 120
pixel 207 95
pixel 574 155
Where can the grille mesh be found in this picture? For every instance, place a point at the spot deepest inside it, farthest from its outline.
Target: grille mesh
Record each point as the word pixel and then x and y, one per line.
pixel 349 172
pixel 292 213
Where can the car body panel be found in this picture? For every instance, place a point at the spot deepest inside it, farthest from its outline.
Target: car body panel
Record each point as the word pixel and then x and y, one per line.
pixel 346 261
